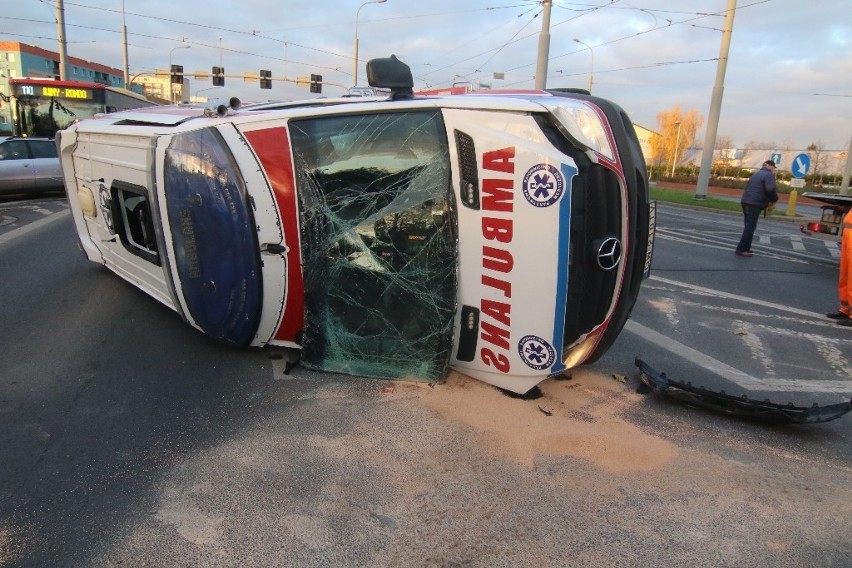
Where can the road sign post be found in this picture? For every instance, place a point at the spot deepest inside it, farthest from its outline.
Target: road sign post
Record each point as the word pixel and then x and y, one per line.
pixel 800 166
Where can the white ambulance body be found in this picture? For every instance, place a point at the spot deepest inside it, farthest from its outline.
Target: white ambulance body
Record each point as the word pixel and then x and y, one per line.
pixel 502 236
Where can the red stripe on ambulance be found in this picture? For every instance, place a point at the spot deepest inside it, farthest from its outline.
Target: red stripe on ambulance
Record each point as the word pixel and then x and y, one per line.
pixel 272 147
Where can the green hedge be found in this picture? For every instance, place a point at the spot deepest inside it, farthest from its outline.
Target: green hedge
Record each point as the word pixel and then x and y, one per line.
pixel 737 178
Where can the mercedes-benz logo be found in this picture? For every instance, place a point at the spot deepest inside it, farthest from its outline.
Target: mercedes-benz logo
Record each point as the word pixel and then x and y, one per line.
pixel 608 253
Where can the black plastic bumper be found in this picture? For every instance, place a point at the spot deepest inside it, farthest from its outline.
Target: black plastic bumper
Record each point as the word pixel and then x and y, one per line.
pixel 764 411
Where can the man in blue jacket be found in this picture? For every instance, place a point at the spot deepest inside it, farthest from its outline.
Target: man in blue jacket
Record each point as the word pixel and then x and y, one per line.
pixel 760 192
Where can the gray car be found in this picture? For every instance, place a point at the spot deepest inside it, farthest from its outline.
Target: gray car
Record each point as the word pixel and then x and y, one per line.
pixel 29 165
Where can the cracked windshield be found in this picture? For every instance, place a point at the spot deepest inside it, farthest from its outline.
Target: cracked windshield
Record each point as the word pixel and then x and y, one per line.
pixel 378 243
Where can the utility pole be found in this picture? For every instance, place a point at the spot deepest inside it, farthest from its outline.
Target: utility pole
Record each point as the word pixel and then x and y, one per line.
pixel 124 48
pixel 543 46
pixel 847 171
pixel 60 33
pixel 677 143
pixel 715 105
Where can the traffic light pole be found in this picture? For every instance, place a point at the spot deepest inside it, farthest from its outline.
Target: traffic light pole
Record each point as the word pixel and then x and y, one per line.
pixel 251 77
pixel 246 77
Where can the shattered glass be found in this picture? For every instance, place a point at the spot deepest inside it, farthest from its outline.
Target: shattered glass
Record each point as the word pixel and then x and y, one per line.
pixel 379 244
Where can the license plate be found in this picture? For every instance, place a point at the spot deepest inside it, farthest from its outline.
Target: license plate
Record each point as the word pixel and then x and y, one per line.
pixel 652 229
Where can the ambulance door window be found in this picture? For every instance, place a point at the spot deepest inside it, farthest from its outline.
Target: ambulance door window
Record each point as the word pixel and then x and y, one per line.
pixel 134 224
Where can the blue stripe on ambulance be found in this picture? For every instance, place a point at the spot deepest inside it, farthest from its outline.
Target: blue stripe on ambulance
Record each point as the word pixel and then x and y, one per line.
pixel 562 267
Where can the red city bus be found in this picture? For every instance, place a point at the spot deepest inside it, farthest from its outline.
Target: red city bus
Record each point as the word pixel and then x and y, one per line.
pixel 42 106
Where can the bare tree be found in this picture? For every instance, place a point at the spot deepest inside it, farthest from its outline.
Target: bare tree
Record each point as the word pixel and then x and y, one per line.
pixel 759 149
pixel 816 152
pixel 749 148
pixel 724 152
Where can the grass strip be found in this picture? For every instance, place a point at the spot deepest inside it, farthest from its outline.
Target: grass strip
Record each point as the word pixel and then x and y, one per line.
pixel 688 198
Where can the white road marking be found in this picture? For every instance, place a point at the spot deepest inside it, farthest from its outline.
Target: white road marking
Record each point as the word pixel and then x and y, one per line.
pixel 755 344
pixel 20 232
pixel 827 347
pixel 668 307
pixel 713 244
pixel 711 239
pixel 737 297
pixel 797 243
pixel 718 367
pixel 833 248
pixel 732 374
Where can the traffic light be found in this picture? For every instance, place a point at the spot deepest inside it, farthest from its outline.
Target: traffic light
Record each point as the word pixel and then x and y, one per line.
pixel 177 74
pixel 265 79
pixel 316 83
pixel 218 76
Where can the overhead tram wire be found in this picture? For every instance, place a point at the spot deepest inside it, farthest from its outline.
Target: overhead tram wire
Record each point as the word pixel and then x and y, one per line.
pixel 494 51
pixel 589 9
pixel 646 66
pixel 697 16
pixel 204 26
pixel 499 48
pixel 585 11
pixel 193 42
pixel 253 32
pixel 485 33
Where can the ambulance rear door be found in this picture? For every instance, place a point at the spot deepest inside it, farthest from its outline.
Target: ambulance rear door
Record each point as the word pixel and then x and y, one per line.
pixel 114 202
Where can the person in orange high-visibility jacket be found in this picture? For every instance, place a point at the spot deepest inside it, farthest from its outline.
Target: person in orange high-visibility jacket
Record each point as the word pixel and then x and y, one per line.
pixel 844 284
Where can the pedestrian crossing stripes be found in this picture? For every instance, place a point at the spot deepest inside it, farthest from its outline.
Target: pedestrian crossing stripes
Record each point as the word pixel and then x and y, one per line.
pixel 801 244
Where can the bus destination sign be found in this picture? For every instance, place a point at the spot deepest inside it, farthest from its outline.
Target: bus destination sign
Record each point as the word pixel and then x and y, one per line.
pixel 53 92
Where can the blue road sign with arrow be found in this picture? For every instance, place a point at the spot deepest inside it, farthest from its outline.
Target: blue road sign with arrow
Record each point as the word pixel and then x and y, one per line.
pixel 801 165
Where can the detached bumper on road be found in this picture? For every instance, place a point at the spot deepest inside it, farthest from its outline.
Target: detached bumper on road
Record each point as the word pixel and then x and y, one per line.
pixel 764 411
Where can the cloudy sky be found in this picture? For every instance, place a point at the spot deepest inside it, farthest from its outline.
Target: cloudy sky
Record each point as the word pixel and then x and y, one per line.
pixel 788 80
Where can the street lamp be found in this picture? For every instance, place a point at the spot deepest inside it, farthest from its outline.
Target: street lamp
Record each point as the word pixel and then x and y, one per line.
pixel 355 58
pixel 171 86
pixel 198 92
pixel 592 69
pixel 677 142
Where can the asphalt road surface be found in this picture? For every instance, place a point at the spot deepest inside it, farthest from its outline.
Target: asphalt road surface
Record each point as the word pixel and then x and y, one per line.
pixel 128 439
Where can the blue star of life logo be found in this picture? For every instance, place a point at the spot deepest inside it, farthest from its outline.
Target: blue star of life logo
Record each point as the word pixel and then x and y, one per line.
pixel 536 352
pixel 543 185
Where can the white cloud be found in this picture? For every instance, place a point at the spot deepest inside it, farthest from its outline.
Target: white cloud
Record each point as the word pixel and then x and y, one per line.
pixel 649 55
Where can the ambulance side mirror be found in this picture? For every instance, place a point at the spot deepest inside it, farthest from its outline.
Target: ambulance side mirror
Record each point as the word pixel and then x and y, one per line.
pixel 391 73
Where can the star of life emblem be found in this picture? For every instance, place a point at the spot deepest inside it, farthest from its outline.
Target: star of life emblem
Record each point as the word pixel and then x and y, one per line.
pixel 543 185
pixel 536 352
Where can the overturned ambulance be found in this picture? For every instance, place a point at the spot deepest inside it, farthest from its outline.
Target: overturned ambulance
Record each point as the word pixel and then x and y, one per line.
pixel 504 236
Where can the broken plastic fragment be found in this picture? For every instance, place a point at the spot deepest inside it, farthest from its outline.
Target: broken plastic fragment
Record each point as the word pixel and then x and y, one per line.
pixel 652 380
